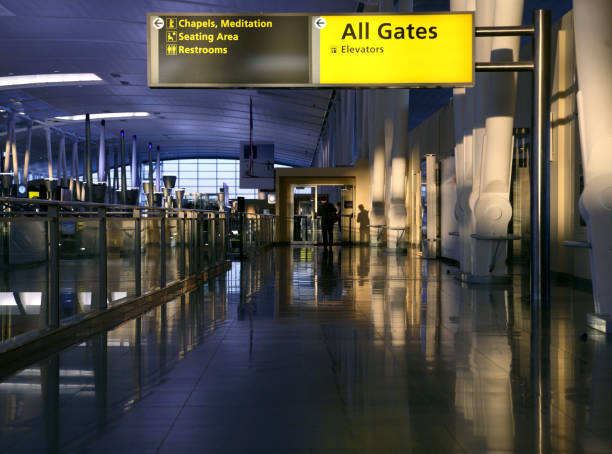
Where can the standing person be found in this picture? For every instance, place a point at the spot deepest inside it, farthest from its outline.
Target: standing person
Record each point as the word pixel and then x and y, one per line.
pixel 327 213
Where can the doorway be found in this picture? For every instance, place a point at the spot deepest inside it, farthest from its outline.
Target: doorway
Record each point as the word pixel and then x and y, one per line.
pixel 306 200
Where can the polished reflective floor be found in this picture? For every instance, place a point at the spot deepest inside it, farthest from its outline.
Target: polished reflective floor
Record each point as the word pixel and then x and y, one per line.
pixel 299 351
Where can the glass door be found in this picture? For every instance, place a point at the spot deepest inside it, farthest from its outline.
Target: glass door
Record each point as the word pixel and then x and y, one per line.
pixel 304 214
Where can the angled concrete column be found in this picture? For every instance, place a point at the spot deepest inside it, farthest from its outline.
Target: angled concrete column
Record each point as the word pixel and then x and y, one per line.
pixel 389 126
pixel 134 163
pixel 49 152
pixel 492 210
pixel 26 161
pixel 461 212
pixel 594 62
pixel 396 217
pixel 377 167
pixel 102 154
pixel 463 107
pixel 362 124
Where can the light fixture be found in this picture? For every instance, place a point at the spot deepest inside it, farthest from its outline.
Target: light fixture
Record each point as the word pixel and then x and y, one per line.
pixel 101 116
pixel 42 80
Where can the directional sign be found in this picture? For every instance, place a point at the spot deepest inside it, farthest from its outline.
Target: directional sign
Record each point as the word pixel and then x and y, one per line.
pixel 419 49
pixel 297 50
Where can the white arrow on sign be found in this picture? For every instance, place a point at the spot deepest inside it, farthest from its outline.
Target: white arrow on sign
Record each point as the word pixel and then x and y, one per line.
pixel 158 23
pixel 320 23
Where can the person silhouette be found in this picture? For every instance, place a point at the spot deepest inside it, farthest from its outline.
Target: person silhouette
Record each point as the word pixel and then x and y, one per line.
pixel 363 219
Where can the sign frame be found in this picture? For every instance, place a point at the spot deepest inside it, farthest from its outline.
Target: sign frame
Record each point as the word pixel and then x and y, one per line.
pixel 153 60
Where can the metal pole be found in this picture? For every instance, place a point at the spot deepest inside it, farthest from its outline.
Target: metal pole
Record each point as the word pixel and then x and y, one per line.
pixel 181 228
pixel 151 190
pixel 540 170
pixel 53 280
pixel 123 175
pixel 88 156
pixel 162 249
pixel 137 255
pixel 102 260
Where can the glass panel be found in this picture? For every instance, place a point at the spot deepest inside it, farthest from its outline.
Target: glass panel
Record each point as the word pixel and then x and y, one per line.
pixel 150 258
pixel 23 288
pixel 226 175
pixel 172 251
pixel 79 266
pixel 120 269
pixel 206 165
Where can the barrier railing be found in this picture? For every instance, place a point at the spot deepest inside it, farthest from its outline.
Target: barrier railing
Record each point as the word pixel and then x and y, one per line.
pixel 249 232
pixel 61 260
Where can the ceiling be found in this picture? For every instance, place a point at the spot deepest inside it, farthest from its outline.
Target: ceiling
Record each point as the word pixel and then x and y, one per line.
pixel 108 37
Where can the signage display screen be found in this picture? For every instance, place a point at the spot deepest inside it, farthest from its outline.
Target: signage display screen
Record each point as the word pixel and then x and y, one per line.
pixel 299 50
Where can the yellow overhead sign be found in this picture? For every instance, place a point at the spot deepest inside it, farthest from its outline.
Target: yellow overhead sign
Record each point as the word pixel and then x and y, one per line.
pixel 388 50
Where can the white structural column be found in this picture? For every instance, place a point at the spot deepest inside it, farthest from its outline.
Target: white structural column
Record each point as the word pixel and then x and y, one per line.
pixel 74 168
pixel 158 171
pixel 26 159
pixel 396 213
pixel 61 167
pixel 492 210
pixel 9 137
pixel 14 155
pixel 134 163
pixel 102 154
pixel 593 34
pixel 485 10
pixel 462 207
pixel 49 153
pixel 389 125
pixel 467 169
pixel 397 192
pixel 377 166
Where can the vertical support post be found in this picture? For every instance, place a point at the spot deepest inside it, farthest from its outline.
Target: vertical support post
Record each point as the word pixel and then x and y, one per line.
pixel 53 268
pixel 212 239
pixel 102 259
pixel 181 229
pixel 241 234
pixel 151 189
pixel 540 229
pixel 137 254
pixel 162 249
pixel 196 243
pixel 123 175
pixel 540 167
pixel 88 157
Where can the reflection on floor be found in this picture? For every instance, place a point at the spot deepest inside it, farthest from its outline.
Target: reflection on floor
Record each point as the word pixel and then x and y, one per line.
pixel 306 352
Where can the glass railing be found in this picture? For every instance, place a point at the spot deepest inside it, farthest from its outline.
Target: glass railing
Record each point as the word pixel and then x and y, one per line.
pixel 63 260
pixel 248 232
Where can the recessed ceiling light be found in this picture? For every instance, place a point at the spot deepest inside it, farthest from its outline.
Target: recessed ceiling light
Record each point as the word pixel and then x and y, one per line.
pixel 42 80
pixel 102 116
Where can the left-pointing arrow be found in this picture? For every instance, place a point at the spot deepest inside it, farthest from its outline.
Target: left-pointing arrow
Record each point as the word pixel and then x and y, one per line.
pixel 158 23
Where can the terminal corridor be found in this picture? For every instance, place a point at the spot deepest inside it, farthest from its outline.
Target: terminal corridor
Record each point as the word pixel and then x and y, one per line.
pixel 303 351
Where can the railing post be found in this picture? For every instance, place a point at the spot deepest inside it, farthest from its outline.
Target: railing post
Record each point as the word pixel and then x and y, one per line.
pixel 53 268
pixel 162 249
pixel 102 301
pixel 181 229
pixel 197 236
pixel 212 238
pixel 137 253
